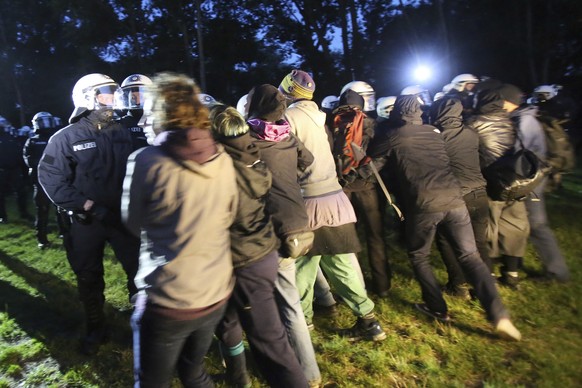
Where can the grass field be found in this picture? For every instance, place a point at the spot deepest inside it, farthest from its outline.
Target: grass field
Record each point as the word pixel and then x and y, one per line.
pixel 40 324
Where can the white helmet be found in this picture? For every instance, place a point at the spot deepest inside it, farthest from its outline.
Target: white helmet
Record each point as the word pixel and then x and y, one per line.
pixel 447 88
pixel 25 131
pixel 330 102
pixel 6 126
pixel 241 105
pixel 58 121
pixel 133 92
pixel 419 91
pixel 438 96
pixel 460 81
pixel 545 92
pixel 384 106
pixel 91 92
pixel 43 121
pixel 365 90
pixel 206 99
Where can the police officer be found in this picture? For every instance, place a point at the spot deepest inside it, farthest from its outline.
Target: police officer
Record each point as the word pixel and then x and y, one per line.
pixel 44 126
pixel 82 172
pixel 130 104
pixel 12 169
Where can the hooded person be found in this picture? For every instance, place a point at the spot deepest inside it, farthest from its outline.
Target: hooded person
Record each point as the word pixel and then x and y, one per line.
pixel 508 223
pixel 254 250
pixel 287 158
pixel 462 146
pixel 418 161
pixel 331 215
pixel 181 198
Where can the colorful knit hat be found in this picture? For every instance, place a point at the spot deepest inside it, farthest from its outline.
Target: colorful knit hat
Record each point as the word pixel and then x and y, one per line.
pixel 298 85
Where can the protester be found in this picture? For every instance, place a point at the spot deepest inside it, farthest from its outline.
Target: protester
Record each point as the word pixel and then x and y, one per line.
pixel 255 258
pixel 181 198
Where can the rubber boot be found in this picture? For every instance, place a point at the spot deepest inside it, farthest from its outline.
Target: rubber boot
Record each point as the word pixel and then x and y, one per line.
pixel 236 365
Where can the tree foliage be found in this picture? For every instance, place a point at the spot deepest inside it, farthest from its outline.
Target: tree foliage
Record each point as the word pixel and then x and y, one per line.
pixel 46 45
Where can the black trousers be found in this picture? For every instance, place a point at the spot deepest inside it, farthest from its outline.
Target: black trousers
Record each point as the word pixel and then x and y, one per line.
pixel 85 245
pixel 369 211
pixel 478 207
pixel 456 227
pixel 253 303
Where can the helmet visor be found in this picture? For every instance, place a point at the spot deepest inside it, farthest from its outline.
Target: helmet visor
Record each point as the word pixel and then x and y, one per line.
pixel 132 97
pixel 105 96
pixel 44 122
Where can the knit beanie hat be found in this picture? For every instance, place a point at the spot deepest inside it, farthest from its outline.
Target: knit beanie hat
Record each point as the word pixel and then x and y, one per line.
pixel 511 93
pixel 298 85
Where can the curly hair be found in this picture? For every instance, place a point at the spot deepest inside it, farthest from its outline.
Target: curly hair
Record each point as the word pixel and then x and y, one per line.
pixel 175 103
pixel 226 121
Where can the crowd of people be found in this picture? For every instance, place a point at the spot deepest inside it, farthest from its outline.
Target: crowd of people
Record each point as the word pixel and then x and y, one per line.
pixel 244 219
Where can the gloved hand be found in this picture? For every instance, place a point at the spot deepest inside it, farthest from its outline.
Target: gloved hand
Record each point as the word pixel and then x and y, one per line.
pixel 82 217
pixel 103 214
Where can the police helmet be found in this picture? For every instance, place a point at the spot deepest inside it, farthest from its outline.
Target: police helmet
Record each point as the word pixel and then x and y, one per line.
pixel 419 91
pixel 330 102
pixel 365 90
pixel 133 92
pixel 461 81
pixel 43 122
pixel 206 99
pixel 384 106
pixel 93 92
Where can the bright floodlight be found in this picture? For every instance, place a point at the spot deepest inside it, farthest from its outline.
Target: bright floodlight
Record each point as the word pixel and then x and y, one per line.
pixel 422 73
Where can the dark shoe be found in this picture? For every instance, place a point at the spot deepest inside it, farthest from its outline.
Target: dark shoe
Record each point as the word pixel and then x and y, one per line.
pixel 439 316
pixel 43 244
pixel 364 329
pixel 509 281
pixel 459 290
pixel 91 343
pixel 383 294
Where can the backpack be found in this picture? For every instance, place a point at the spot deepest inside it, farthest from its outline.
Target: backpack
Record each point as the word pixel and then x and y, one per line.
pixel 348 130
pixel 514 176
pixel 560 152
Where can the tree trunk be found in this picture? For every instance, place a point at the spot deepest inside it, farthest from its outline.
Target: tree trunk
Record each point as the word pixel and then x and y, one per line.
pixel 10 70
pixel 347 57
pixel 356 39
pixel 439 4
pixel 201 58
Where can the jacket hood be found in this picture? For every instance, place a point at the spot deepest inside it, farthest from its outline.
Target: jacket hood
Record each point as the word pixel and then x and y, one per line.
pixel 446 114
pixel 311 109
pixel 407 109
pixel 267 103
pixel 349 97
pixel 253 176
pixel 490 102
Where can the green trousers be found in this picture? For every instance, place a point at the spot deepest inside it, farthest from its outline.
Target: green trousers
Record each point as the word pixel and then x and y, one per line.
pixel 342 277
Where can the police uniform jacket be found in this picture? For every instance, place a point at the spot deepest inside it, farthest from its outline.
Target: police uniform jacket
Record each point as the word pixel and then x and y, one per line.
pixel 86 161
pixel 32 152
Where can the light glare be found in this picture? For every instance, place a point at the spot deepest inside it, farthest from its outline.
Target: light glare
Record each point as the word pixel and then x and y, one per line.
pixel 422 73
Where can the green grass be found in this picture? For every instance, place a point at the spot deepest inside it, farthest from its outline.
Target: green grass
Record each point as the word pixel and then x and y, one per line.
pixel 40 323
